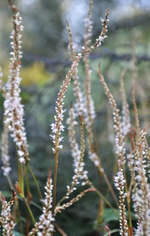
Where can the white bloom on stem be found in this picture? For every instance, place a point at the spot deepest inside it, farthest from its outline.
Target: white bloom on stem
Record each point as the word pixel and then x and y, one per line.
pixel 14 110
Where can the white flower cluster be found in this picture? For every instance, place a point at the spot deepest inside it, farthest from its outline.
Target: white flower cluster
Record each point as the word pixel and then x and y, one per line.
pixel 104 31
pixel 6 218
pixel 138 164
pixel 45 225
pixel 57 127
pixel 89 28
pixel 4 138
pixel 120 150
pixel 76 154
pixel 93 157
pixel 79 105
pixel 5 157
pixel 13 108
pixel 125 124
pixel 119 182
pixel 89 111
pixel 141 197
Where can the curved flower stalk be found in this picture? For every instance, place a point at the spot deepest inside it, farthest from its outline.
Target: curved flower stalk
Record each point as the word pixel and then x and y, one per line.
pixel 88 25
pixel 58 127
pixel 79 105
pixel 125 108
pixel 13 108
pixel 119 182
pixel 89 104
pixel 141 189
pixel 6 221
pixel 78 162
pixel 45 225
pixel 120 150
pixel 68 204
pixel 76 153
pixel 79 172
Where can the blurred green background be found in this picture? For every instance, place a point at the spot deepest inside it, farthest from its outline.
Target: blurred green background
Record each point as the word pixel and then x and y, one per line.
pixel 46 60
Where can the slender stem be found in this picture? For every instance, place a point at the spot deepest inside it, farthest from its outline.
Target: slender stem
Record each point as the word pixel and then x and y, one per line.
pixel 60 230
pixel 36 183
pixel 105 177
pixel 101 195
pixel 107 202
pixel 100 217
pixel 19 216
pixel 19 172
pixel 128 203
pixel 110 188
pixel 55 183
pixel 54 187
pixel 27 181
pixel 22 179
pixel 30 212
pixel 9 181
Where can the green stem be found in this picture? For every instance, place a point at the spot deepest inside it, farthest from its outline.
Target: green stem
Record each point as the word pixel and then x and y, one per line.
pixel 110 187
pixel 128 200
pixel 22 179
pixel 107 202
pixel 20 175
pixel 30 212
pixel 19 172
pixel 27 181
pixel 19 215
pixel 36 183
pixel 101 195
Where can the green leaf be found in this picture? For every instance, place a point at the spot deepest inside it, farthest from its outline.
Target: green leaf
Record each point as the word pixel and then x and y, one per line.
pixel 110 216
pixel 7 194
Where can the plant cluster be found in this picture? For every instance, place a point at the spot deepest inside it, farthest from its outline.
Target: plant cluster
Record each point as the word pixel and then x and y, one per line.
pixel 83 113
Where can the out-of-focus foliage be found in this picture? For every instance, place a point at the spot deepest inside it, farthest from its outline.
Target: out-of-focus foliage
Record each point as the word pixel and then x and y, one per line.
pixel 35 74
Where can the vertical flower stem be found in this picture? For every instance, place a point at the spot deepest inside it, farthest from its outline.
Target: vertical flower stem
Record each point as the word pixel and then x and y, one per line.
pixel 36 183
pixel 27 181
pixel 19 216
pixel 58 127
pixel 30 212
pixel 128 203
pixel 9 181
pixel 20 174
pixel 55 183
